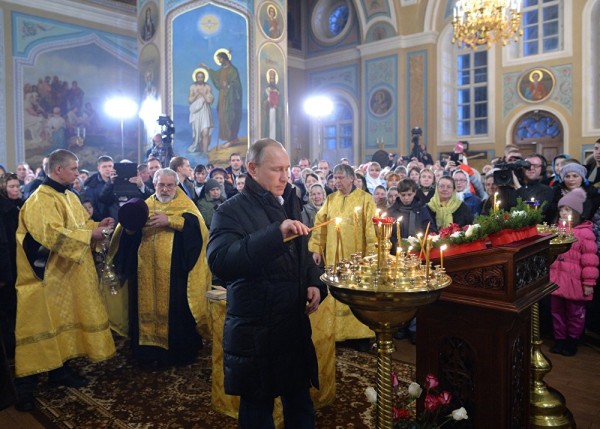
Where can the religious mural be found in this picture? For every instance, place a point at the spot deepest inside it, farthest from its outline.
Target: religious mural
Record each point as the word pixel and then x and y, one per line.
pixel 209 63
pixel 59 106
pixel 272 73
pixel 147 22
pixel 536 85
pixel 150 107
pixel 271 20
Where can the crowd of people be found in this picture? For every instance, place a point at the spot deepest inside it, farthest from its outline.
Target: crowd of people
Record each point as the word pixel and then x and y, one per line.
pixel 204 224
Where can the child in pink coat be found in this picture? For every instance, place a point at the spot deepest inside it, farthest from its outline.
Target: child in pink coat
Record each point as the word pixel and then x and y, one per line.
pixel 575 272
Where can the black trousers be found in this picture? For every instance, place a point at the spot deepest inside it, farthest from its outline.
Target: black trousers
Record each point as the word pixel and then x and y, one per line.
pixel 298 412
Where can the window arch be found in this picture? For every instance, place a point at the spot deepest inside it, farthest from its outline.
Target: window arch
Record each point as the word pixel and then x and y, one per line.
pixel 590 65
pixel 337 132
pixel 465 78
pixel 544 36
pixel 539 131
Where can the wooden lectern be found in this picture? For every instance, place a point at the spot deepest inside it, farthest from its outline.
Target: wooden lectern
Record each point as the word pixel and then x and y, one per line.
pixel 477 337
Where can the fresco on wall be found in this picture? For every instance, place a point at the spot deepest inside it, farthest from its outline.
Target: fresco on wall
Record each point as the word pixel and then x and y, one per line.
pixel 271 20
pixel 209 63
pixel 536 85
pixel 150 107
pixel 147 22
pixel 272 73
pixel 63 104
pixel 63 75
pixel 381 95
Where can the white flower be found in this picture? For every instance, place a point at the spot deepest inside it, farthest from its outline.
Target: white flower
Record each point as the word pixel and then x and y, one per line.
pixel 519 213
pixel 471 229
pixel 460 414
pixel 434 238
pixel 415 390
pixel 371 395
pixel 413 241
pixel 456 234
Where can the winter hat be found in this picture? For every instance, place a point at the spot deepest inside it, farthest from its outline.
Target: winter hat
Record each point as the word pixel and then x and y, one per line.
pixel 573 168
pixel 218 170
pixel 211 184
pixel 573 199
pixel 459 147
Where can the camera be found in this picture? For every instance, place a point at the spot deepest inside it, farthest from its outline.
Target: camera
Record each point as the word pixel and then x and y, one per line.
pixel 503 174
pixel 415 133
pixel 167 129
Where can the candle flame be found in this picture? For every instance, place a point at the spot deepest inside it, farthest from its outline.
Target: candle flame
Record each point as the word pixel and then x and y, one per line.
pixel 569 218
pixel 384 214
pixel 443 247
pixel 356 209
pixel 400 219
pixel 419 234
pixel 338 220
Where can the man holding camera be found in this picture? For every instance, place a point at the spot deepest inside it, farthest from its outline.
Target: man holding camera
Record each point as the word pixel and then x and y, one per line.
pixel 531 186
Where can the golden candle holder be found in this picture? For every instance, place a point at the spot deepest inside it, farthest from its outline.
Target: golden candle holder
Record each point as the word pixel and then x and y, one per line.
pixel 547 405
pixel 384 292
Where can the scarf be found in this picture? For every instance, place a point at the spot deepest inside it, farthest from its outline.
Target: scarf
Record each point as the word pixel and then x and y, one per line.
pixel 443 211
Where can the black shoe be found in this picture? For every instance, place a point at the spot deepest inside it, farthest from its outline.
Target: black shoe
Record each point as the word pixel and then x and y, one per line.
pixel 570 348
pixel 400 334
pixel 71 380
pixel 558 347
pixel 363 345
pixel 25 403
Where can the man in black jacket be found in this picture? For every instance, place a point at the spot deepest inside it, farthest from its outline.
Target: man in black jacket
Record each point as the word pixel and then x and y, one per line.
pixel 272 287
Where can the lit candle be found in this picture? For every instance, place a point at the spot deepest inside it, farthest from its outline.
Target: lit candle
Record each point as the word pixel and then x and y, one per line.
pixel 398 250
pixel 377 212
pixel 356 210
pixel 569 219
pixel 420 238
pixel 498 205
pixel 398 232
pixel 428 249
pixel 340 245
pixel 442 248
pixel 564 225
pixel 495 208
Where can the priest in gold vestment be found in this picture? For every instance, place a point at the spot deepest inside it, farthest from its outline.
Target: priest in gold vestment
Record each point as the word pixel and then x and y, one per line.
pixel 356 208
pixel 60 314
pixel 164 261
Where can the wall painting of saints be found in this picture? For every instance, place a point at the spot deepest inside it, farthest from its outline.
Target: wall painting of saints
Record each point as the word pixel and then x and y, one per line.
pixel 536 85
pixel 209 81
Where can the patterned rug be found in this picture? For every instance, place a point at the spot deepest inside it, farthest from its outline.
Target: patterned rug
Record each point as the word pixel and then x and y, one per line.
pixel 124 395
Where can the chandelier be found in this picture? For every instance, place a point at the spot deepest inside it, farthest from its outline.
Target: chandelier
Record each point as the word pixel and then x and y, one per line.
pixel 483 22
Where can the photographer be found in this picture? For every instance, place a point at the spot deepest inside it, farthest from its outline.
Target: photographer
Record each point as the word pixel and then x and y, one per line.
pixel 530 185
pixel 118 190
pixel 419 150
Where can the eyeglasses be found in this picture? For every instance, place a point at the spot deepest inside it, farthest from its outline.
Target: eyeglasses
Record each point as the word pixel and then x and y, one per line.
pixel 170 186
pixel 534 166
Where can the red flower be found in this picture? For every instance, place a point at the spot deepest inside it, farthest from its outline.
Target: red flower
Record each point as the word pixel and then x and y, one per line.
pixel 395 381
pixel 506 216
pixel 431 402
pixel 431 381
pixel 445 397
pixel 401 414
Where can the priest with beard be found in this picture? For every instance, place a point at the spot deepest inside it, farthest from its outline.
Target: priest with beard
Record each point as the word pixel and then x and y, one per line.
pixel 159 247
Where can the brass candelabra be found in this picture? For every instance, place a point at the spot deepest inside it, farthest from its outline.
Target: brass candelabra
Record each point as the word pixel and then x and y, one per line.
pixel 384 292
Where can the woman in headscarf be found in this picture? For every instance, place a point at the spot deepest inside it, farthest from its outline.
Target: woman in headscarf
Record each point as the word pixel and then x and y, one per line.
pixel 557 162
pixel 316 198
pixel 463 190
pixel 446 207
pixel 10 204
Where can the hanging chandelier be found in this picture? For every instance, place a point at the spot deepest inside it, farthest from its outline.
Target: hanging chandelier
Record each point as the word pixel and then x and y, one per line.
pixel 484 22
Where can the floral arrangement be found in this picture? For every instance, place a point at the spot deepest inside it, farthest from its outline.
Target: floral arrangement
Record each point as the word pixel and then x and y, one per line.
pixel 437 405
pixel 451 236
pixel 520 216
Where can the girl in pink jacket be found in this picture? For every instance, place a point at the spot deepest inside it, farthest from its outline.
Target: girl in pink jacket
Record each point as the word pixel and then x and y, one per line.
pixel 575 272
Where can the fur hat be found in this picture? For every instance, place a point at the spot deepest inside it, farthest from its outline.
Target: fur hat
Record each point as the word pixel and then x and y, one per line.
pixel 573 199
pixel 573 168
pixel 133 214
pixel 211 184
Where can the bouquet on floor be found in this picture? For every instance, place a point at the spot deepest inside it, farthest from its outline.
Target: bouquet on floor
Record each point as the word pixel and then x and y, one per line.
pixel 437 410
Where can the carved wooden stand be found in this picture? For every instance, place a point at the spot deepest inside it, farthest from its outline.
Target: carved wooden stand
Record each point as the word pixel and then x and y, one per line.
pixel 477 337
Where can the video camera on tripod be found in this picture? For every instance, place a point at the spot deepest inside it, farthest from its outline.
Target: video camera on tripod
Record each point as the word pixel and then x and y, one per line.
pixel 503 174
pixel 167 129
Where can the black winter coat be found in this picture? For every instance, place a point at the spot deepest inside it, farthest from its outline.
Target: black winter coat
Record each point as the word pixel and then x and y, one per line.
pixel 267 344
